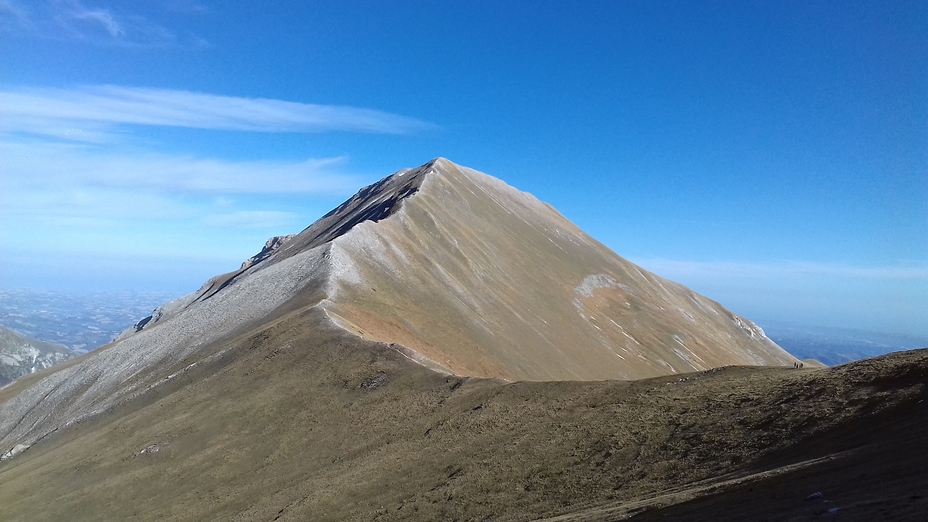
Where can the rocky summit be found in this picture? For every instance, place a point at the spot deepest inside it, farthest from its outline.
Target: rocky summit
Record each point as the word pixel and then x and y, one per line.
pixel 473 277
pixel 442 346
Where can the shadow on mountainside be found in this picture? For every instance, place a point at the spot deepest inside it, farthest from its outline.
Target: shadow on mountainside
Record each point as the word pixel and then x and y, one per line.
pixel 871 466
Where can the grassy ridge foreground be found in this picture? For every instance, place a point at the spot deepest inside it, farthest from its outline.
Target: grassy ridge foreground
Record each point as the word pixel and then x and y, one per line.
pixel 300 421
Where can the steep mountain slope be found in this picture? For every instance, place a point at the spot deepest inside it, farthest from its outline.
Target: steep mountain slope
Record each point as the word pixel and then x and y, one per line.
pixel 20 355
pixel 480 279
pixel 303 385
pixel 473 277
pixel 454 269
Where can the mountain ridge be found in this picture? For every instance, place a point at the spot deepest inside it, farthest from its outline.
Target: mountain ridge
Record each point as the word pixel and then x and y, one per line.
pixel 301 420
pixel 353 245
pixel 464 289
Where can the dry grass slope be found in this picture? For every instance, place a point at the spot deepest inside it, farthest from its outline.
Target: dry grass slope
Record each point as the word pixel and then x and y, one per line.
pixel 301 421
pixel 245 401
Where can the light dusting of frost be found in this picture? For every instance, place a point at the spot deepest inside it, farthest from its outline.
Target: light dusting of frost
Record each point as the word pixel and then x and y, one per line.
pixel 343 266
pixel 753 331
pixel 593 282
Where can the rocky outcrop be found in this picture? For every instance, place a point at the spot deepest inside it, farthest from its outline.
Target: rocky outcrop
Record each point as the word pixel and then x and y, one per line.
pixel 270 247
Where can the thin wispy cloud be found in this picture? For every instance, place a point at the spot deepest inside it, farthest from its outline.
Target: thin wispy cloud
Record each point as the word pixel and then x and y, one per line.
pixel 784 270
pixel 101 18
pixel 51 166
pixel 92 22
pixel 258 219
pixel 66 200
pixel 80 160
pixel 14 15
pixel 88 113
pixel 49 189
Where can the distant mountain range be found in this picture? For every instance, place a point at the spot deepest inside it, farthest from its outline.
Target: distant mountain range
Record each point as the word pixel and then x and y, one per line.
pixel 20 355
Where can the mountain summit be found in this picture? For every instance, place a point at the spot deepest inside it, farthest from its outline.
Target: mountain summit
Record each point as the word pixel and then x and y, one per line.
pixel 444 265
pixel 478 278
pixel 469 276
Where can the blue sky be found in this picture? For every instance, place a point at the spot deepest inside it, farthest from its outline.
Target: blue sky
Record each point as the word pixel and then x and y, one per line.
pixel 771 155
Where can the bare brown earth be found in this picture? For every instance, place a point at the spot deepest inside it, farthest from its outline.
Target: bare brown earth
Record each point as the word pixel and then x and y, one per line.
pixel 298 420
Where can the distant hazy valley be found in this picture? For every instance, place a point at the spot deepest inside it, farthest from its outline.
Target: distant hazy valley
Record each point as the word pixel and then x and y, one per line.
pixel 833 346
pixel 81 321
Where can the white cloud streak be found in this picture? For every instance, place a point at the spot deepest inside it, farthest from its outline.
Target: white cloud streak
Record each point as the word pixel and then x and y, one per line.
pixel 14 15
pixel 81 188
pixel 51 166
pixel 66 162
pixel 78 177
pixel 89 113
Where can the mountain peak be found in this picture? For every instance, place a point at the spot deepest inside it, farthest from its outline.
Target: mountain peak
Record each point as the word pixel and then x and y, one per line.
pixel 471 276
pixel 475 277
pixel 444 265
